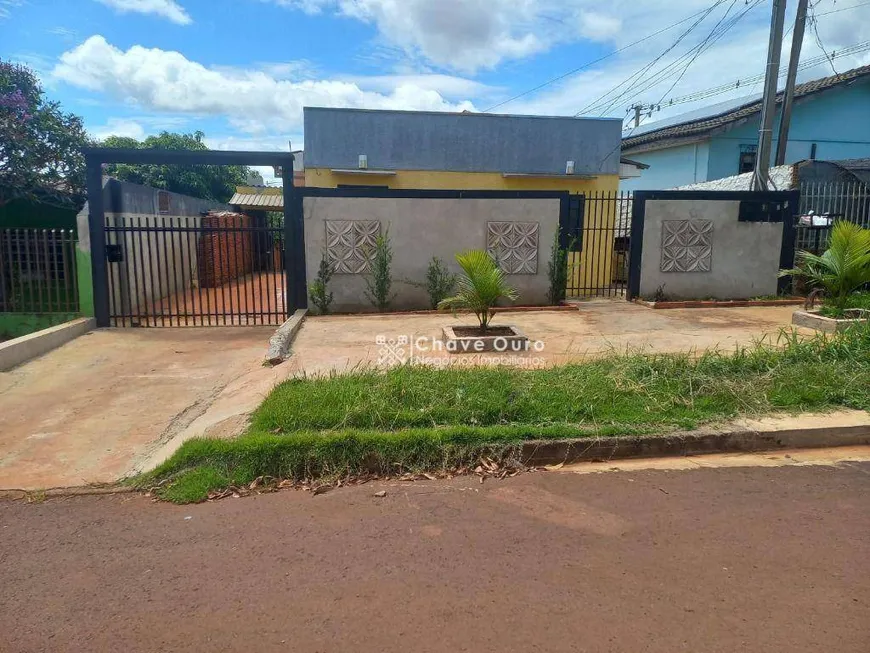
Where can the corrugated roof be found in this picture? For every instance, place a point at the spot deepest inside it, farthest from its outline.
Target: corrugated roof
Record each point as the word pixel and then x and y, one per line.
pixel 705 124
pixel 267 201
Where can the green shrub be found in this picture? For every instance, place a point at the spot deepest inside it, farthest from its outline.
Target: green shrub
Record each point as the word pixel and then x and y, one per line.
pixel 557 272
pixel 379 280
pixel 440 282
pixel 318 290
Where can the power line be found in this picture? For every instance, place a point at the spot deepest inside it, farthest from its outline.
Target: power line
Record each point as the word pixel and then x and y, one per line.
pixel 599 60
pixel 836 11
pixel 815 22
pixel 630 80
pixel 690 55
pixel 699 51
pixel 724 88
pixel 705 44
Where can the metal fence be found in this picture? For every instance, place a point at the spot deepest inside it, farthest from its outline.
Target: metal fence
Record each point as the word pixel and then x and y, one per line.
pixel 215 270
pixel 823 203
pixel 599 233
pixel 38 271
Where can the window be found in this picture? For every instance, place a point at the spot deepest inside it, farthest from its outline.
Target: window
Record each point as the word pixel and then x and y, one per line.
pixel 163 201
pixel 747 158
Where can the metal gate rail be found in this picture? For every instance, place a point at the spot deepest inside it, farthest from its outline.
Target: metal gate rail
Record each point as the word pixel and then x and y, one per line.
pixel 195 271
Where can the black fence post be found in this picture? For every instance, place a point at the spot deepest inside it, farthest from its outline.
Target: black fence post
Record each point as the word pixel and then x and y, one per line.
pixel 789 236
pixel 638 213
pixel 290 246
pixel 97 233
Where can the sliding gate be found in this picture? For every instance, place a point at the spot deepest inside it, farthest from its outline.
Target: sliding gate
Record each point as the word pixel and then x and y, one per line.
pixel 219 269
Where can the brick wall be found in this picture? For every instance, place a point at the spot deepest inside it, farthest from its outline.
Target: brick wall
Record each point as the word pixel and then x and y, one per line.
pixel 224 255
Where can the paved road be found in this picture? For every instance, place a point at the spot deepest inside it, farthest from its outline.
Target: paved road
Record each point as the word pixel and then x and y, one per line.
pixel 756 559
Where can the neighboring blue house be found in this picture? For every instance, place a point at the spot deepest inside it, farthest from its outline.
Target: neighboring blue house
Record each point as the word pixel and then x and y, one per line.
pixel 830 121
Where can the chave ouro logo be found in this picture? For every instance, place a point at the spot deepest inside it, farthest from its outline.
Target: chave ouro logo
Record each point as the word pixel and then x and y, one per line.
pixel 424 350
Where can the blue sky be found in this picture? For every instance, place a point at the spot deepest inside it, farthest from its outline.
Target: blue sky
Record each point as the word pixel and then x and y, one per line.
pixel 242 70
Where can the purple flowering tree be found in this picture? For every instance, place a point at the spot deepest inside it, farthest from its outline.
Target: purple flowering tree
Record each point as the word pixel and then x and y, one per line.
pixel 40 145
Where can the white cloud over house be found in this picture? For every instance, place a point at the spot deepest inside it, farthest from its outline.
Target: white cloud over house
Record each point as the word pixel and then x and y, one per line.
pixel 168 9
pixel 161 80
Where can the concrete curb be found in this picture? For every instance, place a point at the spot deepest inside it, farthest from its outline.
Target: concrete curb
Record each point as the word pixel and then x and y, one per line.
pixel 20 350
pixel 279 344
pixel 721 303
pixel 55 492
pixel 691 443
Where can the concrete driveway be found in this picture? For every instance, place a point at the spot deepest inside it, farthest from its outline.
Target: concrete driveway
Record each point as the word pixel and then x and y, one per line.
pixel 345 342
pixel 115 401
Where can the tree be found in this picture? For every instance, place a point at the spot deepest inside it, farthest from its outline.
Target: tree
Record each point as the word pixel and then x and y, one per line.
pixel 40 145
pixel 205 181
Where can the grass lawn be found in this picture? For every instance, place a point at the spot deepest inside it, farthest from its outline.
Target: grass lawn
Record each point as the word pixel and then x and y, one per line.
pixel 416 418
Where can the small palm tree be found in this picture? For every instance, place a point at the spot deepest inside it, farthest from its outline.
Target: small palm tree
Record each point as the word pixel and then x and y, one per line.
pixel 842 269
pixel 480 288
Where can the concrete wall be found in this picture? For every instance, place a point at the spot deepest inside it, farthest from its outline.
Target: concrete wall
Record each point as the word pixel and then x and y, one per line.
pixel 589 268
pixel 420 228
pixel 745 255
pixel 460 142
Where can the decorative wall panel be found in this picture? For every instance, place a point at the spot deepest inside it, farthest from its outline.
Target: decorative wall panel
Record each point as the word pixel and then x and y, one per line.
pixel 514 245
pixel 350 244
pixel 687 245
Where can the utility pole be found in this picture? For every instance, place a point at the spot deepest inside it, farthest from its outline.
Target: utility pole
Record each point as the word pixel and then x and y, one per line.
pixel 797 39
pixel 768 102
pixel 640 108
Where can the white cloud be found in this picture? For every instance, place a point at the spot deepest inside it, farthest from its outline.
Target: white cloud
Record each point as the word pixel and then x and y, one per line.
pixel 168 9
pixel 6 7
pixel 599 27
pixel 166 81
pixel 118 127
pixel 138 126
pixel 65 33
pixel 468 35
pixel 447 85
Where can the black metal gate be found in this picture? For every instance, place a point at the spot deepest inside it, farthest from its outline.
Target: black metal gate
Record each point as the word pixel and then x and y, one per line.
pixel 220 269
pixel 598 236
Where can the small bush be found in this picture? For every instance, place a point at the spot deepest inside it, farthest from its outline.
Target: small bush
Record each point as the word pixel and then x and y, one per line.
pixel 318 291
pixel 557 272
pixel 440 282
pixel 379 281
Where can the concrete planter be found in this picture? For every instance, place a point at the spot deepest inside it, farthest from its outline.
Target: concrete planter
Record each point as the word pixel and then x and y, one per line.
pixel 504 340
pixel 812 320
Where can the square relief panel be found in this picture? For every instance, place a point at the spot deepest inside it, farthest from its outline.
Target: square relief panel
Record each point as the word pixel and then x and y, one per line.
pixel 350 244
pixel 687 245
pixel 514 245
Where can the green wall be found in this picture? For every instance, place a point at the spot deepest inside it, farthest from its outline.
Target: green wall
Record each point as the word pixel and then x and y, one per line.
pixel 15 325
pixel 86 282
pixel 19 214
